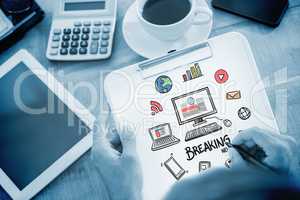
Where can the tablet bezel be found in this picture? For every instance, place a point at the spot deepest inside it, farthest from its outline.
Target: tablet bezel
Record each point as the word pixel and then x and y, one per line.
pixel 72 103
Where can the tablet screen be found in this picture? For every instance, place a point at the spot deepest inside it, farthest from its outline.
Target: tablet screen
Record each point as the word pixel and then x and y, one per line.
pixel 36 128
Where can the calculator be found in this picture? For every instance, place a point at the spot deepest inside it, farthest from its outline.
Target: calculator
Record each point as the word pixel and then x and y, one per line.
pixel 82 30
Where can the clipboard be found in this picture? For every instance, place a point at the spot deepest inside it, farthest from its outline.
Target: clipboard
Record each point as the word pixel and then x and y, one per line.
pixel 134 99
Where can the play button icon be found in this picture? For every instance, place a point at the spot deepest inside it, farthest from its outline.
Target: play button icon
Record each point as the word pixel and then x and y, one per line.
pixel 221 76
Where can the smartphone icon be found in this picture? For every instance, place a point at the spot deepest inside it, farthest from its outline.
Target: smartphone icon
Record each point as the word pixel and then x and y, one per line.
pixel 174 168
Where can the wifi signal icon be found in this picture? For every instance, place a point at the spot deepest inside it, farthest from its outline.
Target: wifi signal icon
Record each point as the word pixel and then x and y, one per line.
pixel 155 107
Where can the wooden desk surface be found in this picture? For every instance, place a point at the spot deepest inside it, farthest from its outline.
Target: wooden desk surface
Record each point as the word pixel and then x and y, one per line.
pixel 277 52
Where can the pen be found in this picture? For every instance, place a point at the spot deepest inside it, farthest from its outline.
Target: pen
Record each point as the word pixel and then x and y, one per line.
pixel 251 159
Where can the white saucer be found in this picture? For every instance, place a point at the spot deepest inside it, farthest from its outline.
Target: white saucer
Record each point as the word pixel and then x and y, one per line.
pixel 148 46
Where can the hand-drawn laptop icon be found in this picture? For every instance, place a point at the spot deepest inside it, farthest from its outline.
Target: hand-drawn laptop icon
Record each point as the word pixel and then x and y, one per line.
pixel 162 137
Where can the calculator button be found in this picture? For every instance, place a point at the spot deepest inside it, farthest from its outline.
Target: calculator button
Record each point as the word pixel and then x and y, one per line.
pixel 65 44
pixel 104 43
pixel 103 50
pixel 94 44
pixel 94 47
pixel 76 30
pixel 106 23
pixel 93 50
pixel 57 31
pixel 106 30
pixel 77 24
pixel 64 51
pixel 55 38
pixel 74 44
pixel 87 23
pixel 96 30
pixel 95 37
pixel 73 51
pixel 75 37
pixel 66 37
pixel 83 44
pixel 82 50
pixel 105 36
pixel 97 23
pixel 85 37
pixel 55 44
pixel 86 30
pixel 53 51
pixel 67 31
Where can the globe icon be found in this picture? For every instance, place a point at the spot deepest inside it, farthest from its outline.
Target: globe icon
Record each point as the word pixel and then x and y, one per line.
pixel 163 84
pixel 244 113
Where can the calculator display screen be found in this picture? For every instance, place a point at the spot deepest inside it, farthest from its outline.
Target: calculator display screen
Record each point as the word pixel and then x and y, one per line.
pixel 90 5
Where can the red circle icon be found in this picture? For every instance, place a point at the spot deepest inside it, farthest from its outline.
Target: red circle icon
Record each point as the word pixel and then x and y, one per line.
pixel 221 76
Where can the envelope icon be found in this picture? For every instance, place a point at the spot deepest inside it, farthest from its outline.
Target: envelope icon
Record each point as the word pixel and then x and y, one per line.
pixel 233 95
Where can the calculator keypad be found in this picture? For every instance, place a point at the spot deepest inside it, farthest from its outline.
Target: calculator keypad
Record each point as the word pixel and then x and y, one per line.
pixel 86 37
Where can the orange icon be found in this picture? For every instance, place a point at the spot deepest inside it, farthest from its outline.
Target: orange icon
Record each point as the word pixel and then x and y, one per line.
pixel 233 95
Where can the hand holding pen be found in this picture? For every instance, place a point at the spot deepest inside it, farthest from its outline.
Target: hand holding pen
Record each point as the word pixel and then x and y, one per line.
pixel 265 150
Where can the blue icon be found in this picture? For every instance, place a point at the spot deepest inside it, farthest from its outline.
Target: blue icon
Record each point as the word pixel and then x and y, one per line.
pixel 163 84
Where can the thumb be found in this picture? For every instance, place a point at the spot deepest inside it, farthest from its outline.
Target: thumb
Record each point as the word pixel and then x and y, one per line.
pixel 102 149
pixel 128 140
pixel 236 159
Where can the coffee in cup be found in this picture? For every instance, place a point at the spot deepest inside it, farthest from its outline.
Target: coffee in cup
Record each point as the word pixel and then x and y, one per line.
pixel 170 19
pixel 165 12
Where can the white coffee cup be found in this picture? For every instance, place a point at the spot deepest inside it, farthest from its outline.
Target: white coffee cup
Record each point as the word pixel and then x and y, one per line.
pixel 199 14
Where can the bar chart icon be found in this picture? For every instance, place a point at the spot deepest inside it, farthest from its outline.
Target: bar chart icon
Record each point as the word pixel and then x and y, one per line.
pixel 193 72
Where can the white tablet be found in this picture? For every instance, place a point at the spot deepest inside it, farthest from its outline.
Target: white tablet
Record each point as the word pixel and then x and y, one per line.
pixel 43 128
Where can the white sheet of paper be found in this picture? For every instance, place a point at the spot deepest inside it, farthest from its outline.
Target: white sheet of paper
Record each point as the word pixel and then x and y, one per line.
pixel 129 96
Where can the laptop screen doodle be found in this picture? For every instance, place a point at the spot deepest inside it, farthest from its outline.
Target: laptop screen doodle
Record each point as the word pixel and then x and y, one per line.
pixel 160 131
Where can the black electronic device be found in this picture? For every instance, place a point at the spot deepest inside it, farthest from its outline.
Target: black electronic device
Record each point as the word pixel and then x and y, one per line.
pixel 13 25
pixel 269 12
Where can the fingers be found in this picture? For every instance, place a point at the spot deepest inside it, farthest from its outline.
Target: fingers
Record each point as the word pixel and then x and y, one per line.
pixel 236 159
pixel 245 136
pixel 253 136
pixel 101 146
pixel 114 138
pixel 112 133
pixel 283 154
pixel 279 149
pixel 128 141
